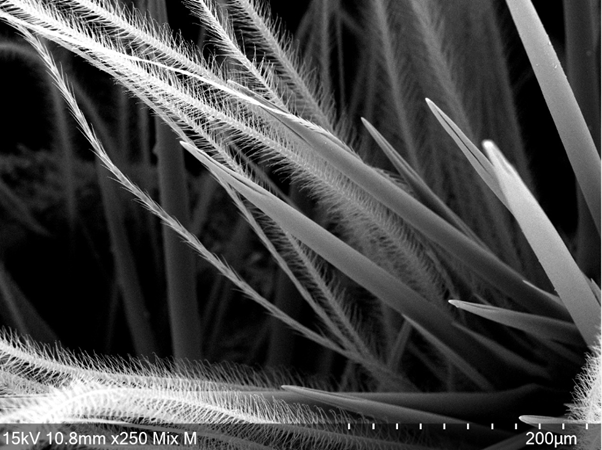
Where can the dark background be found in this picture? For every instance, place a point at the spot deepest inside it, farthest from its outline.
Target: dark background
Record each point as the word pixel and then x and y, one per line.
pixel 24 122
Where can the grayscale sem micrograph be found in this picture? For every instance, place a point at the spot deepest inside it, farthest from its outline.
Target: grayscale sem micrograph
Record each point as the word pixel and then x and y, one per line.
pixel 317 224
